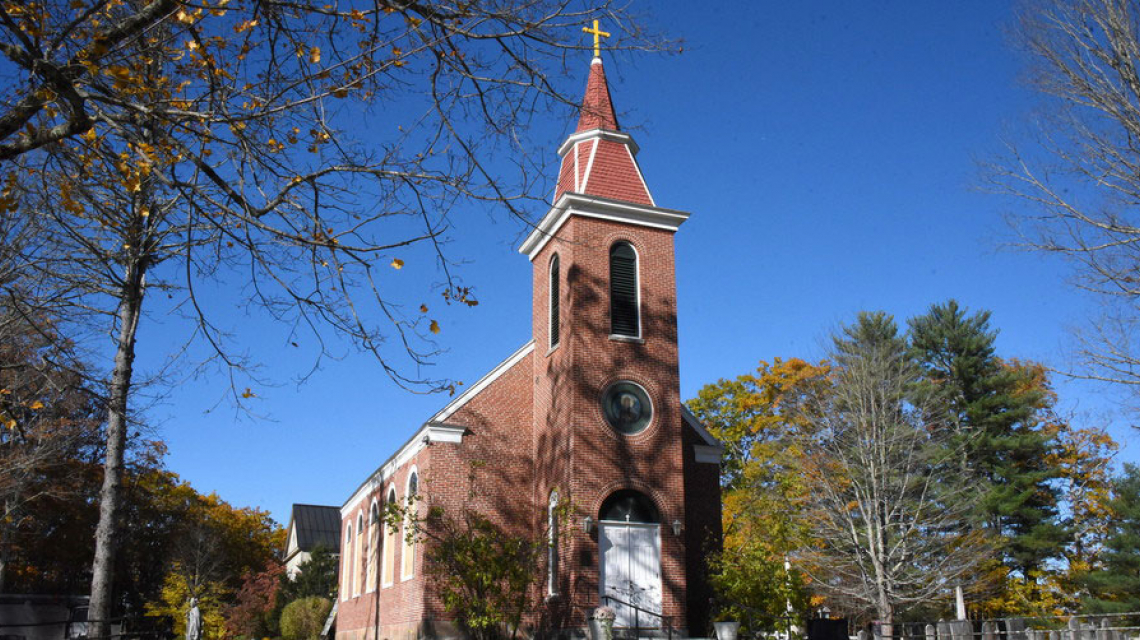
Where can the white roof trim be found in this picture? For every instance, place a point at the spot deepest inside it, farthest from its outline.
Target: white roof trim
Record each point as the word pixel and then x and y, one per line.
pixel 706 454
pixel 597 207
pixel 432 431
pixel 693 422
pixel 604 134
pixel 455 405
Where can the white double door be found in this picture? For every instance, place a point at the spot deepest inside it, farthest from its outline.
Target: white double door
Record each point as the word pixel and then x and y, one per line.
pixel 631 571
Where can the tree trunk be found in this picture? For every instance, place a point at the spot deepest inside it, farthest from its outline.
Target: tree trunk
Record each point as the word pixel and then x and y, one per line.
pixel 106 534
pixel 5 541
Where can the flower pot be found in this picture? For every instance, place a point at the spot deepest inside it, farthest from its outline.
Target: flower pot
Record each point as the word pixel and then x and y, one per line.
pixel 726 630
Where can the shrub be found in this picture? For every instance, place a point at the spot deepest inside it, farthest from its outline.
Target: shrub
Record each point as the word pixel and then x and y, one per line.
pixel 303 619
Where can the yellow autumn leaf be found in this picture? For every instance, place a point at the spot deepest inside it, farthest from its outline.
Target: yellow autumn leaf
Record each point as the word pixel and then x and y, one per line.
pixel 397 263
pixel 248 393
pixel 423 308
pixel 315 55
pixel 36 405
pixel 10 423
pixel 434 326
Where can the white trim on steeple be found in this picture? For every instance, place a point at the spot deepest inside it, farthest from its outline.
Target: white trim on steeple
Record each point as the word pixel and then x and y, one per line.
pixel 641 177
pixel 594 134
pixel 598 207
pixel 590 167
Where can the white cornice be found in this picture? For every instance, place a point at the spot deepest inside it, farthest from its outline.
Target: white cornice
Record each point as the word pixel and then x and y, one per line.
pixel 603 134
pixel 595 207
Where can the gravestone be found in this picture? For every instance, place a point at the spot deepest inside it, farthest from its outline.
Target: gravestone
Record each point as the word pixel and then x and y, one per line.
pixel 1015 629
pixel 930 633
pixel 989 630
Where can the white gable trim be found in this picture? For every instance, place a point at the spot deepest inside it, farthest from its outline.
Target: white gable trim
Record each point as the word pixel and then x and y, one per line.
pixel 432 431
pixel 597 207
pixel 426 435
pixel 598 134
pixel 701 430
pixel 482 383
pixel 709 453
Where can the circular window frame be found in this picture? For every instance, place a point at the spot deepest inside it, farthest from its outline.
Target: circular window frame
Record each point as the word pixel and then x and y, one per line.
pixel 646 399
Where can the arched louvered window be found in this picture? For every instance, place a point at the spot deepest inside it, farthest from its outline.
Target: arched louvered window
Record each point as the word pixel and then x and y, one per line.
pixel 555 292
pixel 624 313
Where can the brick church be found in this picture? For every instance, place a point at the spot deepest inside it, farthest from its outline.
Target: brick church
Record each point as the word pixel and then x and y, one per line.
pixel 587 413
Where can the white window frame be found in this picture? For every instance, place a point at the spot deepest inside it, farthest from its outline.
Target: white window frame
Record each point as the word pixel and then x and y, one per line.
pixel 555 261
pixel 406 572
pixel 389 543
pixel 372 562
pixel 552 546
pixel 346 564
pixel 357 568
pixel 636 289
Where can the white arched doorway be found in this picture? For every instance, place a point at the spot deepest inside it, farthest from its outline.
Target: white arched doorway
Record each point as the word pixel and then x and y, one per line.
pixel 629 537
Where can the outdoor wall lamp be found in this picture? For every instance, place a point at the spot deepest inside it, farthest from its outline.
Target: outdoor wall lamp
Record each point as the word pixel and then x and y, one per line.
pixel 587 524
pixel 676 527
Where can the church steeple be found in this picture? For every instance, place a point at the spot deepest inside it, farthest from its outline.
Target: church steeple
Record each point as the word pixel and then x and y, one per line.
pixel 597 107
pixel 598 159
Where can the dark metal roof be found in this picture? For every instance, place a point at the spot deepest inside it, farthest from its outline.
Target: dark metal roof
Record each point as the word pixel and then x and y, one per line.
pixel 316 525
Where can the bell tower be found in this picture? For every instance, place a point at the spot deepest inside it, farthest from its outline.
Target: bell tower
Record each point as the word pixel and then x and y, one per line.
pixel 610 432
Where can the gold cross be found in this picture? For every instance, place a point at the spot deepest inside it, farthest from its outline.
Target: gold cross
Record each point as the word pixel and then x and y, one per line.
pixel 598 35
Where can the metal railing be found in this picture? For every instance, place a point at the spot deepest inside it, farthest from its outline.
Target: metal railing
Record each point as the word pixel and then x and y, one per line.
pixel 637 611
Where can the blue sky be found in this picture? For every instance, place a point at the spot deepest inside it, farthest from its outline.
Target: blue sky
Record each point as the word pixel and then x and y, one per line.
pixel 828 153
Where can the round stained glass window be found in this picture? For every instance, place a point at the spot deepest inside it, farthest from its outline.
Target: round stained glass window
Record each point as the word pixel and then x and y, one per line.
pixel 627 407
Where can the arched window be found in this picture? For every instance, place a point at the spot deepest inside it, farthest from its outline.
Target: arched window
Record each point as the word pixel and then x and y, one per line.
pixel 374 526
pixel 554 301
pixel 552 545
pixel 628 505
pixel 408 556
pixel 625 317
pixel 358 564
pixel 389 569
pixel 346 568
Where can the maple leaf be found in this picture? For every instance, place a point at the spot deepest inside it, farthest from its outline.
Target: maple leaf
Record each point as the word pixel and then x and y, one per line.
pixel 397 263
pixel 434 327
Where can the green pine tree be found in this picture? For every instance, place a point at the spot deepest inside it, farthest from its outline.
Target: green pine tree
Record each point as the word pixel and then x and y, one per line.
pixel 996 409
pixel 1116 587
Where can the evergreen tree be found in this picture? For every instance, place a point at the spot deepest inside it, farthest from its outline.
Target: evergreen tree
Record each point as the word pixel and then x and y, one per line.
pixel 1116 587
pixel 996 408
pixel 315 577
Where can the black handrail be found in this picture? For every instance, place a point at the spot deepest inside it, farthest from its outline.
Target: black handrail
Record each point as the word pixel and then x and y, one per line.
pixel 637 616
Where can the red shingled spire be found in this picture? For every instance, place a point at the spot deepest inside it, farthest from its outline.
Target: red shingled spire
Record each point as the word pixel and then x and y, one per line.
pixel 597 108
pixel 598 159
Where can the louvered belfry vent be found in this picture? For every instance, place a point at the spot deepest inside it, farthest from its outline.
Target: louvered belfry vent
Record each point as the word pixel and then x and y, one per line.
pixel 623 291
pixel 554 297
